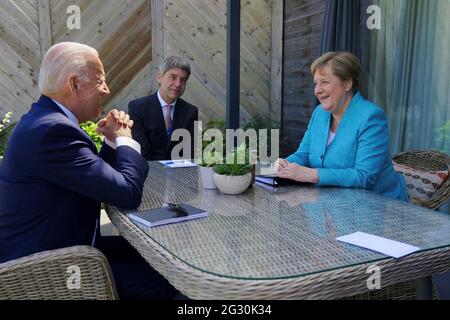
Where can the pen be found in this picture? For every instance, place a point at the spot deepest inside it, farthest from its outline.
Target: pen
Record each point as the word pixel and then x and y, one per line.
pixel 181 212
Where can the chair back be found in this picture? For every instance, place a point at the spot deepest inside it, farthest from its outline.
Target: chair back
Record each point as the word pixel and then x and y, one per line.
pixel 73 273
pixel 426 161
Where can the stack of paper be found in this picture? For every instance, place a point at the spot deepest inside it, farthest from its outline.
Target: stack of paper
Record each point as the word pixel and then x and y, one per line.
pixel 181 163
pixel 386 246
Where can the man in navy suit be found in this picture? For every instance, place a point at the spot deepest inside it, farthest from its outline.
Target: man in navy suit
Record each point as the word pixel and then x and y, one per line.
pixel 157 116
pixel 52 180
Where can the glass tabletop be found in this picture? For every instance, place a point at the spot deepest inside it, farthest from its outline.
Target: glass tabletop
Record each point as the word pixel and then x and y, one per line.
pixel 282 233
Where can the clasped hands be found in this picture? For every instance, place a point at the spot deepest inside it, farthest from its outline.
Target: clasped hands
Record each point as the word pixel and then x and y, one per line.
pixel 293 171
pixel 115 124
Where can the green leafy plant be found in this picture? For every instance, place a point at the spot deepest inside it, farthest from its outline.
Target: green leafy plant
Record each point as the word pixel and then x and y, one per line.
pixel 6 128
pixel 89 127
pixel 238 163
pixel 259 122
pixel 210 159
pixel 443 135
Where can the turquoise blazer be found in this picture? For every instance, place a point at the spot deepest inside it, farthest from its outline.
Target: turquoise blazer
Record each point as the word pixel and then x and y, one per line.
pixel 359 155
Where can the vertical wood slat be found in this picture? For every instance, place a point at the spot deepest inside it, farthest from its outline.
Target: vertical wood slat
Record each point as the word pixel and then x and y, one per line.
pixel 276 64
pixel 302 33
pixel 45 26
pixel 196 29
pixel 157 37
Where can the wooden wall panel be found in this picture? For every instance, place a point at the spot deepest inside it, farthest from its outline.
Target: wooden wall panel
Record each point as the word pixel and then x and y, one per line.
pixel 303 20
pixel 20 56
pixel 196 29
pixel 121 32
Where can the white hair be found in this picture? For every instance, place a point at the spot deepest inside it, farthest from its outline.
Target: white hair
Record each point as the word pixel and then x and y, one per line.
pixel 61 61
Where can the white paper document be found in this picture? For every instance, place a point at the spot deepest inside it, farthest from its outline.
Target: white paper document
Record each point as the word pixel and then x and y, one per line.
pixel 180 163
pixel 383 245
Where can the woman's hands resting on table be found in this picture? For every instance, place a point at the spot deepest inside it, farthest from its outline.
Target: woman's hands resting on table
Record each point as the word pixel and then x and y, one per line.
pixel 293 171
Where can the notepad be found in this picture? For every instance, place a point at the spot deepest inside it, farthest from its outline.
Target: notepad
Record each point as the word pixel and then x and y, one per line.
pixel 180 163
pixel 166 215
pixel 386 246
pixel 275 181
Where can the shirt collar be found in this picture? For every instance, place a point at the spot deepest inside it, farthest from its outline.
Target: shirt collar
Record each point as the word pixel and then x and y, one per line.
pixel 163 103
pixel 67 112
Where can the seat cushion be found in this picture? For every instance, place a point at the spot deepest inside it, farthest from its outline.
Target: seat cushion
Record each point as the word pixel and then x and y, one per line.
pixel 421 185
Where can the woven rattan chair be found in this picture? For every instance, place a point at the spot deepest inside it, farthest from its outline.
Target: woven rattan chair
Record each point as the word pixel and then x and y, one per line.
pixel 428 160
pixel 46 275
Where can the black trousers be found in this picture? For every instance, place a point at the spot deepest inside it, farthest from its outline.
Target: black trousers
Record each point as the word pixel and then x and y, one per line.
pixel 134 277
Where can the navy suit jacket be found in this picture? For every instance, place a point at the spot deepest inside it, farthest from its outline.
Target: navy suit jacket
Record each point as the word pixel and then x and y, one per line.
pixel 149 128
pixel 52 182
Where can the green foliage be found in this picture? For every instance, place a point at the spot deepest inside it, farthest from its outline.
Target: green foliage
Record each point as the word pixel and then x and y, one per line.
pixel 233 169
pixel 259 122
pixel 211 158
pixel 443 135
pixel 89 127
pixel 6 128
pixel 5 134
pixel 238 163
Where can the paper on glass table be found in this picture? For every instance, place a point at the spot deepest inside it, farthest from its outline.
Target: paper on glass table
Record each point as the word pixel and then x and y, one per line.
pixel 181 163
pixel 386 246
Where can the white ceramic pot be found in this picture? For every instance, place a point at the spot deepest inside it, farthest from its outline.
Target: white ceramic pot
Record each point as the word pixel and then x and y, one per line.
pixel 232 184
pixel 207 177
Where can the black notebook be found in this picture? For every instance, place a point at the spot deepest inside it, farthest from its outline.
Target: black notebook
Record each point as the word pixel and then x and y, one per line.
pixel 165 215
pixel 274 181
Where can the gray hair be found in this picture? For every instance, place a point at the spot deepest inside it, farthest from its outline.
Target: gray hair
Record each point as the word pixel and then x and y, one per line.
pixel 61 61
pixel 174 62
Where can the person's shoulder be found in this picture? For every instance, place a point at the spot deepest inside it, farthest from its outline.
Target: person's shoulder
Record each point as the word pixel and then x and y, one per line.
pixel 40 119
pixel 62 126
pixel 319 112
pixel 141 101
pixel 187 106
pixel 369 107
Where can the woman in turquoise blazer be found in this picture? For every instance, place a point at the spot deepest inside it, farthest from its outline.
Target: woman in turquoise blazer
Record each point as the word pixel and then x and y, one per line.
pixel 346 143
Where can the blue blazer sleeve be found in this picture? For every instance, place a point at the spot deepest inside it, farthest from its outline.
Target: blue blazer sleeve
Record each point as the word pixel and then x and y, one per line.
pixel 370 158
pixel 72 162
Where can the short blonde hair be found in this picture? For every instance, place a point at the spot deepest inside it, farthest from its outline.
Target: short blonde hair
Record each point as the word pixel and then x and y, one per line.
pixel 345 66
pixel 61 61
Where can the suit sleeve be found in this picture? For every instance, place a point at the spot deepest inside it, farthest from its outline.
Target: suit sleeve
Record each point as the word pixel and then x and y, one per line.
pixel 373 146
pixel 108 154
pixel 67 160
pixel 138 131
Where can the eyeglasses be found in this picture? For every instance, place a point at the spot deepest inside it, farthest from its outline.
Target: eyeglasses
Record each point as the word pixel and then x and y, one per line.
pixel 181 212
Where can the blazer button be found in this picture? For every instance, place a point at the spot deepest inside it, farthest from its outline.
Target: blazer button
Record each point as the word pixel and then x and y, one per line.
pixel 321 157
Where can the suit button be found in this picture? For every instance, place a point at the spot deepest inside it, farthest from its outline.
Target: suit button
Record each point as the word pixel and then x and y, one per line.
pixel 321 157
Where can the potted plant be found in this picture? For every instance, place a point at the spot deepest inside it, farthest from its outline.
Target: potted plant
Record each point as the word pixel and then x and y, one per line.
pixel 235 175
pixel 206 169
